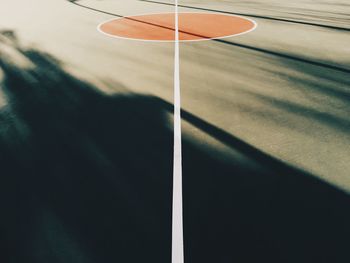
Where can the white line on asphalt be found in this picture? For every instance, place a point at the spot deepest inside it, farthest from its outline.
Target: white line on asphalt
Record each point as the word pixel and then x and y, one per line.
pixel 177 220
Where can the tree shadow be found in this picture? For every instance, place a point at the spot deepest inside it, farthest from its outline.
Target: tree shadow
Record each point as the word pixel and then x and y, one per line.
pixel 73 160
pixel 86 177
pixel 326 92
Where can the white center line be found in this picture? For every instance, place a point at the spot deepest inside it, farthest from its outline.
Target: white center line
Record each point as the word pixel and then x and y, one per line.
pixel 177 224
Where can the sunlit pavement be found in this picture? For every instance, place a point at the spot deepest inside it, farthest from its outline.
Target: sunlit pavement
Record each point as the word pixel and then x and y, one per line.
pixel 283 88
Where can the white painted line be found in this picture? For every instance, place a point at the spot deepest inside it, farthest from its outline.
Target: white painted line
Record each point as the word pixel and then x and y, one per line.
pixel 177 252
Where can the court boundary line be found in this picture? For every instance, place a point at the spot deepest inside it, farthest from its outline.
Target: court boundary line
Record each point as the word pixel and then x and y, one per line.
pixel 177 247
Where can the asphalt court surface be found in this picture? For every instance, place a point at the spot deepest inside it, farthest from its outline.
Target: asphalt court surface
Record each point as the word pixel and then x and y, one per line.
pixel 282 88
pixel 268 105
pixel 274 87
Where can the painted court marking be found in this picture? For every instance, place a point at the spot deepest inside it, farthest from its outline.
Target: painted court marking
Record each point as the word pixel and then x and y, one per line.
pixel 160 27
pixel 176 27
pixel 177 250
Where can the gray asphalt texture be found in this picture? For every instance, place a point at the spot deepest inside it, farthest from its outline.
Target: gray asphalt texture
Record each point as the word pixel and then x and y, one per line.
pixel 283 88
pixel 86 135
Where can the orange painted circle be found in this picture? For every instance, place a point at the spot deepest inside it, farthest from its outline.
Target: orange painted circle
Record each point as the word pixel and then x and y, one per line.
pixel 192 26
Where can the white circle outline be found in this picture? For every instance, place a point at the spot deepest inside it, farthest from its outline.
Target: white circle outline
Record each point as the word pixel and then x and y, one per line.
pixel 172 41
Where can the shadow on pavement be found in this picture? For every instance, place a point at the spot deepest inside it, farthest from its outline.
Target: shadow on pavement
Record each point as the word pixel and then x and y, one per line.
pixel 326 99
pixel 283 55
pixel 86 177
pixel 250 15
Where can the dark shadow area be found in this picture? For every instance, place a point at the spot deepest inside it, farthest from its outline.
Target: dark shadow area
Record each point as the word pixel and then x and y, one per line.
pixel 223 41
pixel 251 15
pixel 86 177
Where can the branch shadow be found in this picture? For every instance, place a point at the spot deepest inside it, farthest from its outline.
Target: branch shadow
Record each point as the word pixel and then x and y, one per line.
pixel 86 177
pixel 327 95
